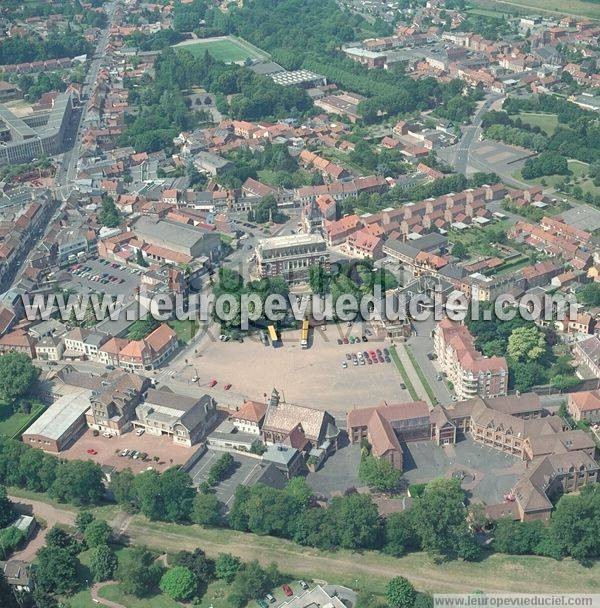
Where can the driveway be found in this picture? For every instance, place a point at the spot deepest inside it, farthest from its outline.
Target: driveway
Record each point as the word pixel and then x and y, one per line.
pixel 51 515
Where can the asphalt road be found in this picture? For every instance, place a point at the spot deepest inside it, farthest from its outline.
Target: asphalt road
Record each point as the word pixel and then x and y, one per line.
pixel 459 155
pixel 67 165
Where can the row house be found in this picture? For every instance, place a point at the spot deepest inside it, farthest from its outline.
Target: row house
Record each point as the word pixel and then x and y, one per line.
pixel 339 191
pixel 137 355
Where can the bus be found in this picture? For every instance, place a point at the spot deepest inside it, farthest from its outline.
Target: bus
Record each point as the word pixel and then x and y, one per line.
pixel 274 337
pixel 304 335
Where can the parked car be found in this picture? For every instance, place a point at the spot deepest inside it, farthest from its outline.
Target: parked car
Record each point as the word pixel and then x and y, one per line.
pixel 212 383
pixel 344 364
pixel 140 432
pixel 124 452
pixel 402 386
pixel 91 451
pixel 287 590
pixel 348 356
pixel 345 340
pixel 340 341
pixel 365 339
pixel 303 584
pixel 227 387
pixel 262 603
pixel 270 598
pixel 438 377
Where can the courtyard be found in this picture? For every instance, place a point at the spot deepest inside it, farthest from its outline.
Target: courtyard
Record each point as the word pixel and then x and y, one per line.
pixel 108 451
pixel 246 471
pixel 486 473
pixel 313 377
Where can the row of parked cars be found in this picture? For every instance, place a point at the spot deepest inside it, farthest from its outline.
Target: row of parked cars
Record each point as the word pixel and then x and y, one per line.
pixel 352 340
pixel 86 272
pixel 134 454
pixel 368 357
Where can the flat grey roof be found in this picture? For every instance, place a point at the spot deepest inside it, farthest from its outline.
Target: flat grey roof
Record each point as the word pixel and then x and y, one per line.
pixel 59 417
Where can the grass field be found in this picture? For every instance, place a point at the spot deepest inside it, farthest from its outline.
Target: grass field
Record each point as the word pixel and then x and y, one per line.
pixel 546 122
pixel 579 171
pixel 409 386
pixel 11 424
pixel 561 7
pixel 185 330
pixel 228 49
pixel 371 570
pixel 367 570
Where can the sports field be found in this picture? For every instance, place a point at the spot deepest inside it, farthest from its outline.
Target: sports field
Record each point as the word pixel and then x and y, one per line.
pixel 228 49
pixel 577 8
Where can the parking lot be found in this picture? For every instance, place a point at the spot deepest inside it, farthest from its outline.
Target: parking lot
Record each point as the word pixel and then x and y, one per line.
pixel 107 451
pixel 246 468
pixel 583 217
pixel 488 473
pixel 315 377
pixel 113 279
pixel 503 158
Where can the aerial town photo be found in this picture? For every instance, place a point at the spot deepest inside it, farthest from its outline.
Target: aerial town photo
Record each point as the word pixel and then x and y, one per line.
pixel 299 303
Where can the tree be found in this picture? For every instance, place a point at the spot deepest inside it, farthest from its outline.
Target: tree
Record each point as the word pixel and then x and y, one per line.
pixel 103 563
pixel 7 597
pixel 517 537
pixel 177 495
pixel 460 251
pixel 78 482
pixel 526 344
pixel 400 535
pixel 252 582
pixel 121 485
pixel 358 521
pixel 56 570
pixel 399 593
pixel 207 510
pixel 379 474
pixel 109 215
pixel 439 517
pixel 202 567
pixel 146 489
pixel 7 514
pixel 227 566
pixel 574 524
pixel 589 294
pixel 17 376
pixel 221 468
pixel 137 572
pixel 178 583
pixel 83 520
pixel 60 539
pixel 97 533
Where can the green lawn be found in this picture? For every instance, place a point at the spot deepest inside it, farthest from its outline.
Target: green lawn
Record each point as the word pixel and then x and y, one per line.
pixel 185 330
pixel 409 387
pixel 563 7
pixel 115 594
pixel 229 49
pixel 11 424
pixel 372 570
pixel 546 122
pixel 579 171
pixel 421 375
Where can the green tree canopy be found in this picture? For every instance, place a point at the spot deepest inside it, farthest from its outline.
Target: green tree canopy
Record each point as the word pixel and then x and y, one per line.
pixel 18 376
pixel 178 583
pixel 103 563
pixel 400 593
